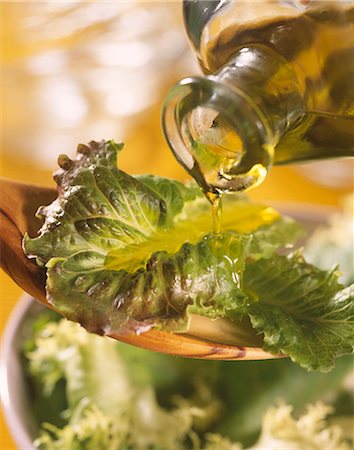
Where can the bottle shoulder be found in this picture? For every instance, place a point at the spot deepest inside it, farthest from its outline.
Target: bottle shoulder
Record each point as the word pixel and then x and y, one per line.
pixel 290 31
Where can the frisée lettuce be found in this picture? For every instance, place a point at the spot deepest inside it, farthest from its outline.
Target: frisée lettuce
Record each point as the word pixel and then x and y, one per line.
pixel 134 253
pixel 113 396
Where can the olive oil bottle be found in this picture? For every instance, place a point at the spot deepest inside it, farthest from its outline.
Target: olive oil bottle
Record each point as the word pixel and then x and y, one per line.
pixel 278 88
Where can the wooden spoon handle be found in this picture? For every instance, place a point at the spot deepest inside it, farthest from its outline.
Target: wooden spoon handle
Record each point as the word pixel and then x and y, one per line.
pixel 24 272
pixel 18 204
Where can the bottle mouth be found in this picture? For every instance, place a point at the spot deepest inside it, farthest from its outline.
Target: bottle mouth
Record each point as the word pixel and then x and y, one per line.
pixel 217 134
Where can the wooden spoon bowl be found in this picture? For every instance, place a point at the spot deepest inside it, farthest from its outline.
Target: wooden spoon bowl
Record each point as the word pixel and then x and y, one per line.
pixel 205 339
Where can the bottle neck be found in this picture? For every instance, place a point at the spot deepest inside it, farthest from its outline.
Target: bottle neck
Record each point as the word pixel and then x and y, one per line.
pixel 223 128
pixel 271 84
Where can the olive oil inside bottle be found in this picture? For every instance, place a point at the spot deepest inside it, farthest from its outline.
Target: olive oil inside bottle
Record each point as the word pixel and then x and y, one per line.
pixel 315 45
pixel 223 162
pixel 222 166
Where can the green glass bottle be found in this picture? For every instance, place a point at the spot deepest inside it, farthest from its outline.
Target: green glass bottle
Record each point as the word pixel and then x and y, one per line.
pixel 278 88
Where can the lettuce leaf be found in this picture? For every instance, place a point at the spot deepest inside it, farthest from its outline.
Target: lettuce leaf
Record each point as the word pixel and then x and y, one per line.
pixel 120 397
pixel 280 430
pixel 105 409
pixel 126 252
pixel 131 253
pixel 302 311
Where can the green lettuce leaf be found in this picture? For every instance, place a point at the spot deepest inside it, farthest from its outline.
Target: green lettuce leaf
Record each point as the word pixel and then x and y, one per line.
pixel 102 300
pixel 127 253
pixel 303 311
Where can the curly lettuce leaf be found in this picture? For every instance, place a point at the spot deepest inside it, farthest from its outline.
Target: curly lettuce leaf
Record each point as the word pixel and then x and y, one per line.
pixel 280 430
pixel 105 409
pixel 127 253
pixel 107 388
pixel 303 311
pixel 134 252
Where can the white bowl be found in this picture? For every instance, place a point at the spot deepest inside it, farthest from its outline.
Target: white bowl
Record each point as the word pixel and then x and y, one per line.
pixel 14 393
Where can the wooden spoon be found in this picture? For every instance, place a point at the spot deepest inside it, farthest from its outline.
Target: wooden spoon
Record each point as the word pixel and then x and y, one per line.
pixel 206 339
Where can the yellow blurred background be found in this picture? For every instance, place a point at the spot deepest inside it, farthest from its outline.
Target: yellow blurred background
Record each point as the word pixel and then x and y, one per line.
pixel 76 71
